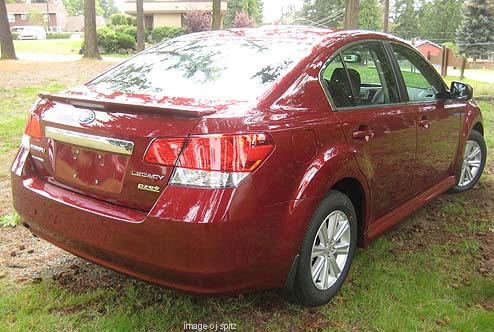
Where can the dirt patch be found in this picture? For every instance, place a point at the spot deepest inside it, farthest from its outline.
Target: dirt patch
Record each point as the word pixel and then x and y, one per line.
pixel 16 74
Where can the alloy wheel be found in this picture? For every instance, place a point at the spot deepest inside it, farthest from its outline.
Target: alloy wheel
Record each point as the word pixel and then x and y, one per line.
pixel 330 250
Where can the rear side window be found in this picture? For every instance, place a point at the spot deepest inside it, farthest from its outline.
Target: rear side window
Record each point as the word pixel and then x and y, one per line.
pixel 361 76
pixel 421 81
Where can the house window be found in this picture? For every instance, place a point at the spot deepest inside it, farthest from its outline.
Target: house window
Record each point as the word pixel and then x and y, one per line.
pixel 45 18
pixel 11 18
pixel 23 17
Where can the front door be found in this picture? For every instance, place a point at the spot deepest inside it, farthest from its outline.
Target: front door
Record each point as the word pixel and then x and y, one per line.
pixel 438 119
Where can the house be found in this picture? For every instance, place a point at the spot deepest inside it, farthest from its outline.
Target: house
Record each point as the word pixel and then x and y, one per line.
pixel 52 16
pixel 76 23
pixel 170 12
pixel 426 47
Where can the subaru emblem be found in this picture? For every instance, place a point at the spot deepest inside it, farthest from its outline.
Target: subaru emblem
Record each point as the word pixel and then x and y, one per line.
pixel 86 117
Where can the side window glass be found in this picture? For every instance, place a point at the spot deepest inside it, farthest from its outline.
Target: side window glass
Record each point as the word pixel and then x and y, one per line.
pixel 421 82
pixel 337 83
pixel 371 75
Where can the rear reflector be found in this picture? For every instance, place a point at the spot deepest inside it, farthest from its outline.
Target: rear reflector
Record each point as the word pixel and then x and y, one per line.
pixel 164 151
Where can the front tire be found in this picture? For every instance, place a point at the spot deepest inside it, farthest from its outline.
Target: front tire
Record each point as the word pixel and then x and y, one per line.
pixel 473 163
pixel 327 250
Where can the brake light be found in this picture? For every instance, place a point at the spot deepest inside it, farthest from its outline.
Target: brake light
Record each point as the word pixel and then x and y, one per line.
pixel 219 161
pixel 33 126
pixel 164 151
pixel 226 153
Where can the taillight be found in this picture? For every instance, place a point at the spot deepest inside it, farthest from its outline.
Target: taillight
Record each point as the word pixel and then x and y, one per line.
pixel 214 161
pixel 33 126
pixel 164 151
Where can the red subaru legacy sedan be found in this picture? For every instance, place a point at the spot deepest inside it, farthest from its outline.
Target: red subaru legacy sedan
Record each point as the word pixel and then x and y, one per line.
pixel 231 161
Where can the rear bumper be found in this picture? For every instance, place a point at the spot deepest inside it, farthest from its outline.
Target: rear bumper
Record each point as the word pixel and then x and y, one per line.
pixel 195 240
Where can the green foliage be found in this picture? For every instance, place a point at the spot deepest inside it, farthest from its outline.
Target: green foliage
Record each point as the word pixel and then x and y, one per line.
pixel 406 24
pixel 475 37
pixel 439 20
pixel 10 220
pixel 76 7
pixel 14 35
pixel 112 41
pixel 122 19
pixel 58 35
pixel 370 15
pixel 164 33
pixel 322 13
pixel 109 8
pixel 252 7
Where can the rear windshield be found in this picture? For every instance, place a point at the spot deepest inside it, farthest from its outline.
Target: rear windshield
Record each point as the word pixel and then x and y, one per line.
pixel 224 68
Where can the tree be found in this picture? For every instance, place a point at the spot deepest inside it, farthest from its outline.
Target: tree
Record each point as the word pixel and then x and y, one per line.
pixel 439 20
pixel 406 24
pixel 76 7
pixel 242 20
pixel 386 16
pixel 109 8
pixel 322 13
pixel 253 8
pixel 216 24
pixel 475 37
pixel 351 14
pixel 369 17
pixel 6 42
pixel 140 25
pixel 90 36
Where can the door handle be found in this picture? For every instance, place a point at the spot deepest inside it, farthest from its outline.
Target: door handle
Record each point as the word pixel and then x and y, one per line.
pixel 364 135
pixel 424 122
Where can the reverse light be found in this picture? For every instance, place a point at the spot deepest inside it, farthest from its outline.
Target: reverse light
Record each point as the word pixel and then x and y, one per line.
pixel 220 161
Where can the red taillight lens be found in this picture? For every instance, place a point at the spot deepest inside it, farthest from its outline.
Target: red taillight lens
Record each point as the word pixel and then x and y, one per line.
pixel 33 126
pixel 226 153
pixel 164 151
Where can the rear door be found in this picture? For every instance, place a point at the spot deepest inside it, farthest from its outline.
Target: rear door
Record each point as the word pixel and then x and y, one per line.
pixel 438 119
pixel 365 96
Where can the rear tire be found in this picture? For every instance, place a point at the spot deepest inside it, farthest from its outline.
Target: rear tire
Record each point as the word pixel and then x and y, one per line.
pixel 327 250
pixel 472 164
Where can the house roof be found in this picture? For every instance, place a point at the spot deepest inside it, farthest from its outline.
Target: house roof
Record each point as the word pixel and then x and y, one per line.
pixel 24 8
pixel 76 23
pixel 422 42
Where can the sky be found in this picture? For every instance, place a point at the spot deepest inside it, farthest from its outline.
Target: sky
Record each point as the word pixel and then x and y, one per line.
pixel 273 8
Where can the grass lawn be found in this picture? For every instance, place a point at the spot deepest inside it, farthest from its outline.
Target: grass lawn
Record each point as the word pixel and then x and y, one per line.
pixel 53 46
pixel 432 273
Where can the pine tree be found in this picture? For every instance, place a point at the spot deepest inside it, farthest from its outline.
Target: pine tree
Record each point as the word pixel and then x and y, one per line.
pixel 475 37
pixel 439 20
pixel 406 23
pixel 369 17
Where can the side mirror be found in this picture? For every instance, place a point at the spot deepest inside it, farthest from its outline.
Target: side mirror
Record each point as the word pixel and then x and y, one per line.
pixel 460 91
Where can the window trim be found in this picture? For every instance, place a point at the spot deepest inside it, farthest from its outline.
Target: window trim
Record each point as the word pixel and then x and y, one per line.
pixel 11 18
pixel 338 53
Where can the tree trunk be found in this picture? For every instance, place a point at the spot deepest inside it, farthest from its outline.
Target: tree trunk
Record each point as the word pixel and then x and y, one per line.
pixel 140 25
pixel 386 16
pixel 216 25
pixel 351 14
pixel 90 36
pixel 6 42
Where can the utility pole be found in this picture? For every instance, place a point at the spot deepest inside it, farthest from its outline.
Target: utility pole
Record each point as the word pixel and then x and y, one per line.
pixel 216 24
